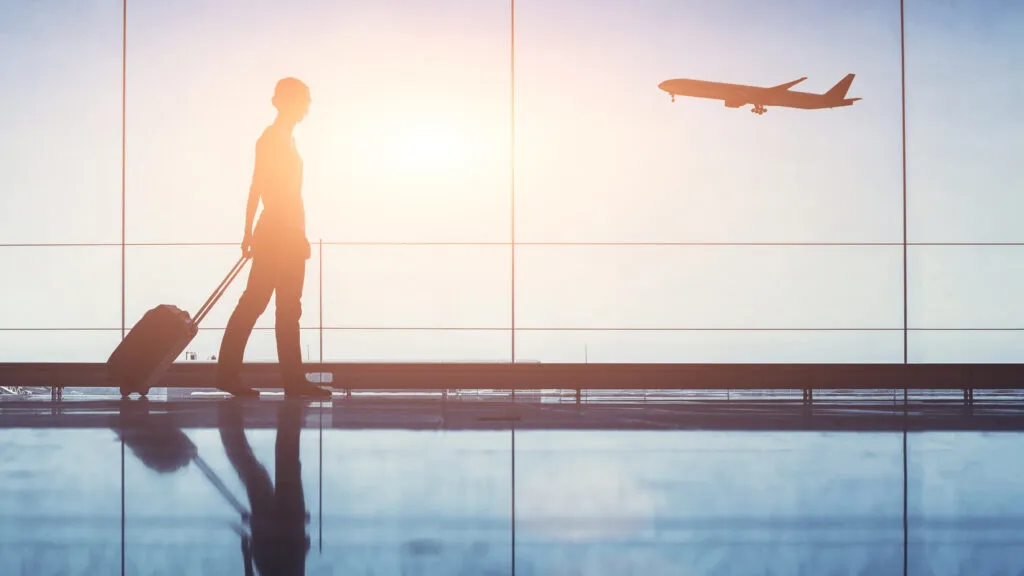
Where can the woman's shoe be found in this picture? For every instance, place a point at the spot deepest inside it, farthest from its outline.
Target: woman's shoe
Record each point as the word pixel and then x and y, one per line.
pixel 306 390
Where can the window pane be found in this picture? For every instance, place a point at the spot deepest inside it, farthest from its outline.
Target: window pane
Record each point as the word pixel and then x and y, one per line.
pixel 579 346
pixel 410 116
pixel 965 346
pixel 417 345
pixel 964 85
pixel 60 287
pixel 966 286
pixel 604 155
pixel 417 286
pixel 60 117
pixel 709 287
pixel 58 345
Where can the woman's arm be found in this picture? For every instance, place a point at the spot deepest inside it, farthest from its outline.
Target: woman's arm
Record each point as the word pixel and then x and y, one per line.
pixel 253 203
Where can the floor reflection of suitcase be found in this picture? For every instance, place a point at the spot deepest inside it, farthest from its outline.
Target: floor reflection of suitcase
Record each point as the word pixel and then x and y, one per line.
pixel 157 339
pixel 157 441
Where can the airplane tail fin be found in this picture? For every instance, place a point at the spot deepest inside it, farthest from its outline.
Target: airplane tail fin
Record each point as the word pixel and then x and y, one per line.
pixel 838 92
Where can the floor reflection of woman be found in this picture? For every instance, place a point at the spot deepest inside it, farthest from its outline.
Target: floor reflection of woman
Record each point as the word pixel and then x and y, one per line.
pixel 278 521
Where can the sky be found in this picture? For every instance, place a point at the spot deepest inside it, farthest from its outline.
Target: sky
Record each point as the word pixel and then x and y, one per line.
pixel 409 141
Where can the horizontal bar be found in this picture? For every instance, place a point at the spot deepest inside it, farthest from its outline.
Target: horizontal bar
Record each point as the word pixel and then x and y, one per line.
pixel 469 243
pixel 542 376
pixel 548 329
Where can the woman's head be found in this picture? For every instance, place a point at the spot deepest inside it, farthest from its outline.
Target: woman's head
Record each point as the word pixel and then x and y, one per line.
pixel 291 98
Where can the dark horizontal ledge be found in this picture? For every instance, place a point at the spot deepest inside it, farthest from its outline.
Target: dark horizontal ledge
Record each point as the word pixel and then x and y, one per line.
pixel 542 376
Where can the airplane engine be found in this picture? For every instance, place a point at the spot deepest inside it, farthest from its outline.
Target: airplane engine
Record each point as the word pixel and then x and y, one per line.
pixel 734 103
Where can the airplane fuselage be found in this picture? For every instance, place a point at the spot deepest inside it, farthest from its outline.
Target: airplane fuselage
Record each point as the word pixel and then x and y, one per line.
pixel 737 95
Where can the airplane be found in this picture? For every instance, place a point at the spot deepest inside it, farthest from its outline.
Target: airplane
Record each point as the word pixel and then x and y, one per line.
pixel 737 95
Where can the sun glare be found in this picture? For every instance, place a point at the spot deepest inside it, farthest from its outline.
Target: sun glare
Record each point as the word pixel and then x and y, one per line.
pixel 413 168
pixel 429 147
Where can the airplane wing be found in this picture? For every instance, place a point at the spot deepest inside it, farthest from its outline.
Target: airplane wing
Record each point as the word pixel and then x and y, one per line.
pixel 788 85
pixel 736 98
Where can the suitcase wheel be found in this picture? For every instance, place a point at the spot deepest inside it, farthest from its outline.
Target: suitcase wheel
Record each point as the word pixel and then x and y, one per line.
pixel 126 394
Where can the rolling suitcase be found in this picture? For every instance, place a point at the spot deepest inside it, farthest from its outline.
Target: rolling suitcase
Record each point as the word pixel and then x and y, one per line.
pixel 157 339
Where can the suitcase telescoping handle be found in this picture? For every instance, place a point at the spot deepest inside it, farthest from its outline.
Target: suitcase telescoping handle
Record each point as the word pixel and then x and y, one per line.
pixel 221 288
pixel 219 484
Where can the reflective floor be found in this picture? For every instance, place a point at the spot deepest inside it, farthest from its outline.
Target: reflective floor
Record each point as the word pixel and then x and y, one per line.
pixel 278 487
